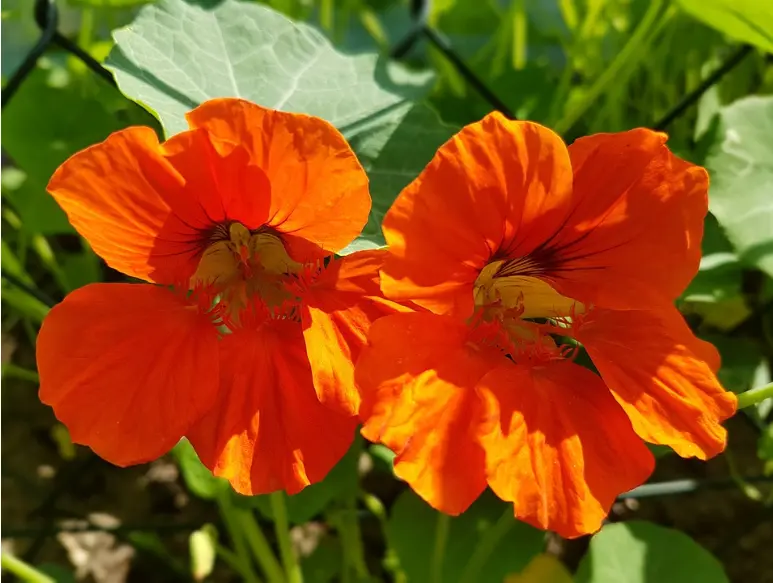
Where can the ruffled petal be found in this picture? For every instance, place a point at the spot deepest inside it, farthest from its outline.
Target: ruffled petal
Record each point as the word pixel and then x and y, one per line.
pixel 655 367
pixel 268 431
pixel 219 188
pixel 127 369
pixel 320 199
pixel 496 185
pixel 558 446
pixel 417 380
pixel 115 194
pixel 337 311
pixel 633 239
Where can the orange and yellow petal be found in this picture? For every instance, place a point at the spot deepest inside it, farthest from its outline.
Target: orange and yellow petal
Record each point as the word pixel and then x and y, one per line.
pixel 658 372
pixel 116 195
pixel 320 199
pixel 417 378
pixel 337 311
pixel 268 431
pixel 219 188
pixel 558 445
pixel 633 240
pixel 496 185
pixel 127 369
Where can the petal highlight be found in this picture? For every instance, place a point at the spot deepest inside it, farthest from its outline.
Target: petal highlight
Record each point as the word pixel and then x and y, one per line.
pixel 115 195
pixel 127 369
pixel 558 446
pixel 320 199
pixel 497 184
pixel 633 238
pixel 337 312
pixel 268 431
pixel 417 378
pixel 655 367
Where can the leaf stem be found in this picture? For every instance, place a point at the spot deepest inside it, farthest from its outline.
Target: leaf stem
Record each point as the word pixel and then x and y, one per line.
pixel 230 519
pixel 439 551
pixel 259 546
pixel 22 570
pixel 486 547
pixel 755 395
pixel 289 560
pixel 627 57
pixel 351 537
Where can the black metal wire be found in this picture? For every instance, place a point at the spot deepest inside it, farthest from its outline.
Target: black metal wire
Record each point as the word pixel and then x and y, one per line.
pixel 442 44
pixel 420 10
pixel 48 20
pixel 691 98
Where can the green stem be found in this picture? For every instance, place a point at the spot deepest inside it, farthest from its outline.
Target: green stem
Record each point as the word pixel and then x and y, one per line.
pixel 230 519
pixel 22 570
pixel 634 49
pixel 439 552
pixel 232 560
pixel 391 559
pixel 754 396
pixel 351 538
pixel 10 369
pixel 486 547
pixel 259 546
pixel 282 526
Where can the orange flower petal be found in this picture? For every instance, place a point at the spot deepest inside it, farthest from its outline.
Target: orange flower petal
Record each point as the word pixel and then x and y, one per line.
pixel 337 311
pixel 127 369
pixel 633 240
pixel 489 187
pixel 558 446
pixel 320 199
pixel 218 188
pixel 417 379
pixel 115 195
pixel 654 366
pixel 268 431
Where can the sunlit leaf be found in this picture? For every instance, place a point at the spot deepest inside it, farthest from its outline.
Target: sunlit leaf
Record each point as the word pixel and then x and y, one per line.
pixel 642 552
pixel 176 55
pixel 411 533
pixel 749 21
pixel 741 166
pixel 48 120
pixel 198 478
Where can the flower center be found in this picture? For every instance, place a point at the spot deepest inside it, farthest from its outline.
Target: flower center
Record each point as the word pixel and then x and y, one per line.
pixel 507 302
pixel 502 283
pixel 244 264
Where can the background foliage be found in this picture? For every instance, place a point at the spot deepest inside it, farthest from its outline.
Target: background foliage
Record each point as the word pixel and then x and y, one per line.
pixel 579 66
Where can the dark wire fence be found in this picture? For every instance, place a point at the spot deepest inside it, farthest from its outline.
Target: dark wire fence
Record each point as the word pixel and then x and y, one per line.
pixel 47 18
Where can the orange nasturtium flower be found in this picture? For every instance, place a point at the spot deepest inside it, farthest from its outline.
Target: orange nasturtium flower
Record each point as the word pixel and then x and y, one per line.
pixel 246 345
pixel 521 248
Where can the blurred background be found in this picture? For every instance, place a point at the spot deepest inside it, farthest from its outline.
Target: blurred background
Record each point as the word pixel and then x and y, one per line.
pixel 578 66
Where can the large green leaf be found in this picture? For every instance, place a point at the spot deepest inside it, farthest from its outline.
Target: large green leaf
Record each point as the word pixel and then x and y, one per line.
pixel 393 152
pixel 198 478
pixel 54 115
pixel 411 533
pixel 749 21
pixel 741 166
pixel 642 552
pixel 176 55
